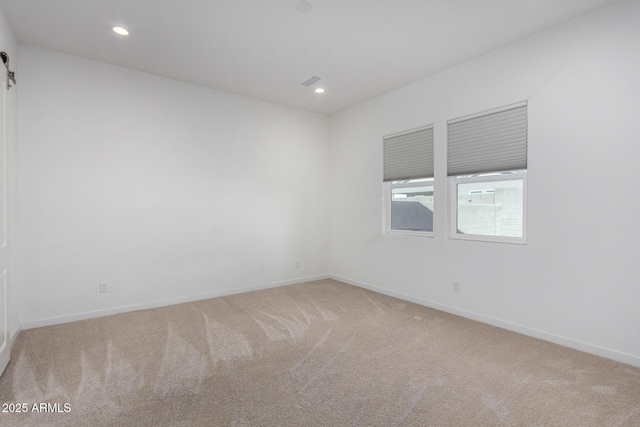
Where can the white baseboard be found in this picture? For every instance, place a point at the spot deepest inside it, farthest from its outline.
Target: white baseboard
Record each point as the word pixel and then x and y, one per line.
pixel 162 303
pixel 14 334
pixel 514 327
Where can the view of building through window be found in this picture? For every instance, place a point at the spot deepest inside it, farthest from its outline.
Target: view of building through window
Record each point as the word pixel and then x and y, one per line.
pixel 491 208
pixel 412 206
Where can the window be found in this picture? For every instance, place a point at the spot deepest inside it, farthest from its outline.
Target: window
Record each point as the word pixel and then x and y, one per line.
pixel 408 182
pixel 487 162
pixel 410 208
pixel 490 206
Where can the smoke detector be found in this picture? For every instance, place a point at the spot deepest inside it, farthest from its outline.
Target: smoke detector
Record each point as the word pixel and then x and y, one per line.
pixel 303 6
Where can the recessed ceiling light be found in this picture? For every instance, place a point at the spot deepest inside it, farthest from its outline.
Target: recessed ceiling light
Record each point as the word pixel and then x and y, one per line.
pixel 120 31
pixel 319 90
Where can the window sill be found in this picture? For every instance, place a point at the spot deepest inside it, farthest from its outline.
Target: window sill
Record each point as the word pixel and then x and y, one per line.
pixel 409 233
pixel 490 239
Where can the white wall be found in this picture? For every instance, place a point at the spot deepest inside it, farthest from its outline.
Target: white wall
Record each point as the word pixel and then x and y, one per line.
pixel 575 281
pixel 8 44
pixel 166 190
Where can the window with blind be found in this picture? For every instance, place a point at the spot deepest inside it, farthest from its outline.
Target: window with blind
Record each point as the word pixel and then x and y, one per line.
pixel 487 169
pixel 408 182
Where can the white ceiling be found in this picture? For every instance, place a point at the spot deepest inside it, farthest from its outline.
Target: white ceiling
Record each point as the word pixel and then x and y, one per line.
pixel 266 48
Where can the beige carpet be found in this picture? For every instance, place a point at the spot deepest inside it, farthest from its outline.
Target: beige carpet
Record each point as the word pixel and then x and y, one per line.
pixel 314 354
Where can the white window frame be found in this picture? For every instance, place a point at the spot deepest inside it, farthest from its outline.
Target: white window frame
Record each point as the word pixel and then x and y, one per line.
pixel 454 181
pixel 388 188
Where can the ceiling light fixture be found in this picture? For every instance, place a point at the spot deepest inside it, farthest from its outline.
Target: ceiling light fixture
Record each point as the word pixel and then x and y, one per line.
pixel 319 90
pixel 120 31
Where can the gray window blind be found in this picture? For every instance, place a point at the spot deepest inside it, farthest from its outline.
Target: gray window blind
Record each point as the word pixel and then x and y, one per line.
pixel 489 143
pixel 409 156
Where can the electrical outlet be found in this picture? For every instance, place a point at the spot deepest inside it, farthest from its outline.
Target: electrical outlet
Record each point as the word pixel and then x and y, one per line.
pixel 297 263
pixel 104 287
pixel 455 286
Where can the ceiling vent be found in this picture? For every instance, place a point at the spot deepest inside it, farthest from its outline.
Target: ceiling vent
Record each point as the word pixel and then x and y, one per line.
pixel 311 80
